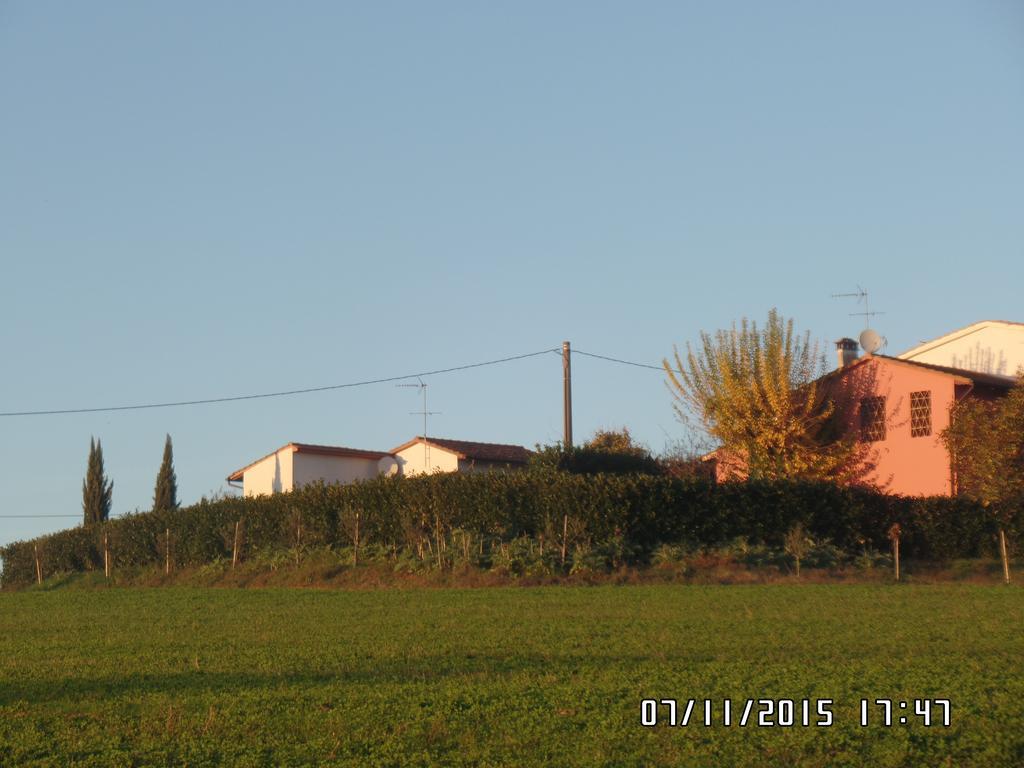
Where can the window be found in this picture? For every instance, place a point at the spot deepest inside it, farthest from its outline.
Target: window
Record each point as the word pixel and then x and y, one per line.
pixel 920 414
pixel 872 419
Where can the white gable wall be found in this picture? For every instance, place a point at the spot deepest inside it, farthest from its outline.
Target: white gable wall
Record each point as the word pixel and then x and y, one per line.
pixel 990 346
pixel 272 474
pixel 412 461
pixel 313 467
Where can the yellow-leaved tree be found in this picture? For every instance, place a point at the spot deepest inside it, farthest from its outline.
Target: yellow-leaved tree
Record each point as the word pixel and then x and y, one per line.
pixel 756 390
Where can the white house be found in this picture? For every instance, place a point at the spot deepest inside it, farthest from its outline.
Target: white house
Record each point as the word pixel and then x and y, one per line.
pixel 989 346
pixel 440 454
pixel 297 464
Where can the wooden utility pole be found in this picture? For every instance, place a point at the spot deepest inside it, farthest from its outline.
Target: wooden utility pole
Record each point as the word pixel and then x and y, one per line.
pixel 566 395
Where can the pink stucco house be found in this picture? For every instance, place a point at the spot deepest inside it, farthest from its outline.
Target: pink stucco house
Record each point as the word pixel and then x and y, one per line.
pixel 897 409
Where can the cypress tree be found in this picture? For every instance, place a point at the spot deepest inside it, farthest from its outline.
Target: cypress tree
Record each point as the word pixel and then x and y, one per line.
pixel 165 495
pixel 97 489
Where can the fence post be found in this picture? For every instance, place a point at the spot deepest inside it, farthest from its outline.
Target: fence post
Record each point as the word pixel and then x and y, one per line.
pixel 355 542
pixel 106 554
pixel 894 535
pixel 236 544
pixel 1002 553
pixel 565 535
pixel 167 551
pixel 39 567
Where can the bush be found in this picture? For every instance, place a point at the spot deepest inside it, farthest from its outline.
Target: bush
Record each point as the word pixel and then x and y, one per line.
pixel 486 519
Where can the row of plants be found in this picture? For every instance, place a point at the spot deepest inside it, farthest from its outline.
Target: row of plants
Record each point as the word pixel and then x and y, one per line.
pixel 437 519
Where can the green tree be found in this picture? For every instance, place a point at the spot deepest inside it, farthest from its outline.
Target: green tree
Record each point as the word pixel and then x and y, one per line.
pixel 608 451
pixel 986 443
pixel 757 392
pixel 616 441
pixel 165 495
pixel 97 489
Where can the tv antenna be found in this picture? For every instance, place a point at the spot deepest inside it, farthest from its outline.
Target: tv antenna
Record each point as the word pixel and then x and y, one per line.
pixel 862 298
pixel 870 340
pixel 422 387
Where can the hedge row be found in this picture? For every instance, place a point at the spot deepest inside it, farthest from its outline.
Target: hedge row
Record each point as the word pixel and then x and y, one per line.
pixel 423 512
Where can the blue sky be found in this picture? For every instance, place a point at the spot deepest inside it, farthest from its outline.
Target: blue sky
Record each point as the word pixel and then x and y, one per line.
pixel 210 199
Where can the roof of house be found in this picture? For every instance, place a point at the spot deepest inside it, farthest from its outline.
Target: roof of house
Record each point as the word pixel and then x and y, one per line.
pixel 322 450
pixel 464 449
pixel 965 376
pixel 967 330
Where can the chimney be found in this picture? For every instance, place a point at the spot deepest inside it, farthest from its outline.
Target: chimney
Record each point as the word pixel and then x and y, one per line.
pixel 846 351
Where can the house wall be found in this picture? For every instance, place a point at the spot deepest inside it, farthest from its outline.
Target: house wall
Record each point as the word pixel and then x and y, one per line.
pixel 915 466
pixel 411 460
pixel 271 475
pixel 313 467
pixel 988 347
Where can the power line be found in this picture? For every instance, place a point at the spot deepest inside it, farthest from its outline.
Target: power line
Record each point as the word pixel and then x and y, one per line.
pixel 287 393
pixel 11 517
pixel 617 360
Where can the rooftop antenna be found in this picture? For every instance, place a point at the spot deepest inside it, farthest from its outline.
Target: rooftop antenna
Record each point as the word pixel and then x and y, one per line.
pixel 870 341
pixel 862 298
pixel 422 387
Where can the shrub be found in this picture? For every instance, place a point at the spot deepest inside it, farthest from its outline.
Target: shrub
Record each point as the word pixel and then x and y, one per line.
pixel 485 519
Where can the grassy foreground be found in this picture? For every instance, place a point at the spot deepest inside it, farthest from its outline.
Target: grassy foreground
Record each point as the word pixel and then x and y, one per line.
pixel 539 676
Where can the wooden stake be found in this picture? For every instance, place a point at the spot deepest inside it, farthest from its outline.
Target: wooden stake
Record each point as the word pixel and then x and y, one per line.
pixel 565 535
pixel 167 551
pixel 236 544
pixel 355 542
pixel 106 555
pixel 39 566
pixel 437 538
pixel 1006 559
pixel 894 535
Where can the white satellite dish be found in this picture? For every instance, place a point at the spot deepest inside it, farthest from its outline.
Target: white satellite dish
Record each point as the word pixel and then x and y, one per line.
pixel 388 466
pixel 870 341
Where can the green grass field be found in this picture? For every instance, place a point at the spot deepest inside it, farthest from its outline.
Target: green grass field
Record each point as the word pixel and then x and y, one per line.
pixel 505 676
